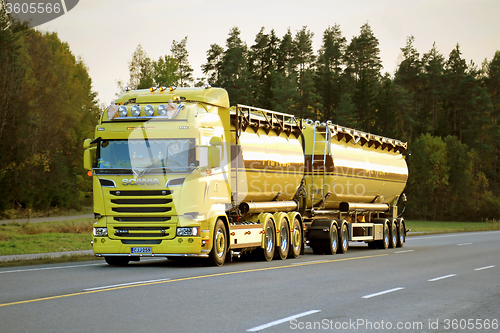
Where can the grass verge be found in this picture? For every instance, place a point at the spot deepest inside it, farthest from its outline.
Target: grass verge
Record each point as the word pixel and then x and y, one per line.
pixel 28 238
pixel 433 227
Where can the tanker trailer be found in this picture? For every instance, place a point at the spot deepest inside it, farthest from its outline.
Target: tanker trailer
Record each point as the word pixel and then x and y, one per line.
pixel 267 168
pixel 353 182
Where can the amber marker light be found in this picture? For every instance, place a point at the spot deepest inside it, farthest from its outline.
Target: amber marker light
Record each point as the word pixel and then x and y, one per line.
pixel 89 173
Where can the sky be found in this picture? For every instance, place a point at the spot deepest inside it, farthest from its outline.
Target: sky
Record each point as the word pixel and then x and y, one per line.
pixel 105 33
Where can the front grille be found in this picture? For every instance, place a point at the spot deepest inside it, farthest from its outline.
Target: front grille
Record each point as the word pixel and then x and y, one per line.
pixel 141 193
pixel 141 201
pixel 141 209
pixel 142 219
pixel 142 231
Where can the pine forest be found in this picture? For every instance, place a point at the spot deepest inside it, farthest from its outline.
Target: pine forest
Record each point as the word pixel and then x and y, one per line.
pixel 445 107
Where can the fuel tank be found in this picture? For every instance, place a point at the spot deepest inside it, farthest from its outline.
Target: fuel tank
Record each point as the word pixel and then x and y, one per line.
pixel 345 165
pixel 267 158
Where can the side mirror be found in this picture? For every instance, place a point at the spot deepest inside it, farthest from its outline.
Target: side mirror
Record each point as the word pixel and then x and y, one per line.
pixel 216 141
pixel 87 143
pixel 214 152
pixel 214 157
pixel 88 154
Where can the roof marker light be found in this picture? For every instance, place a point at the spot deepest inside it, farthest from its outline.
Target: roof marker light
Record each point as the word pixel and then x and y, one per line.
pixel 172 88
pixel 162 88
pixel 152 89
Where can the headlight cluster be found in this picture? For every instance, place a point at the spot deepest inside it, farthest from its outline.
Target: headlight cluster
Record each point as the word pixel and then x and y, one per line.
pixel 149 110
pixel 100 232
pixel 188 231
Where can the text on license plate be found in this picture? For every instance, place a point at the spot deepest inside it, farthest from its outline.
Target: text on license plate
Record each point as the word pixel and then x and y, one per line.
pixel 140 250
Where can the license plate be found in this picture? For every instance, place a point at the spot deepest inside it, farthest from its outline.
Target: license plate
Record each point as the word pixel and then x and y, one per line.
pixel 140 250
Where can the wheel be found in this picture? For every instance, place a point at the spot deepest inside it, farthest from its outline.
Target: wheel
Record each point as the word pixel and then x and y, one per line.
pixel 296 241
pixel 284 237
pixel 269 241
pixel 343 238
pixel 333 242
pixel 401 234
pixel 219 249
pixel 117 261
pixel 393 241
pixel 384 243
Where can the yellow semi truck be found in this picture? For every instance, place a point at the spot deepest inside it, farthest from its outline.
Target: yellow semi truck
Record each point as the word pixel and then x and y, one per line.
pixel 179 173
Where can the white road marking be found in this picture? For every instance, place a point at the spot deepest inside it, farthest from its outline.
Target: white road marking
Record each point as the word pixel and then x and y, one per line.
pixel 124 284
pixel 405 251
pixel 464 244
pixel 441 277
pixel 480 269
pixel 383 292
pixel 284 320
pixel 48 268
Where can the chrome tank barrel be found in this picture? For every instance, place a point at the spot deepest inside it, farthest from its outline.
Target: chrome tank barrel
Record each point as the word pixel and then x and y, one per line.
pixel 267 160
pixel 268 207
pixel 352 167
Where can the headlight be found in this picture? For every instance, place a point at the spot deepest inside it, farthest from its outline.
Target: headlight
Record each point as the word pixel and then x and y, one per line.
pixel 162 110
pixel 148 110
pixel 136 110
pixel 190 231
pixel 100 232
pixel 122 111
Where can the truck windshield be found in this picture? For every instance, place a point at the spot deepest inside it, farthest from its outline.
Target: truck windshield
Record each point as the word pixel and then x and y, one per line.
pixel 143 156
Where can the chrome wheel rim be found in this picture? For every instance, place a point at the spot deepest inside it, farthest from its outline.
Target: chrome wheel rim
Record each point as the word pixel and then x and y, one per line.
pixel 220 243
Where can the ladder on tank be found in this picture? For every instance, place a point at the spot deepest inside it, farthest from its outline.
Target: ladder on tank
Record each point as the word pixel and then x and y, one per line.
pixel 318 175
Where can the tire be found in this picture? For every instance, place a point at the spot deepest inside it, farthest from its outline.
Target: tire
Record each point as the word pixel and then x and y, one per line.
pixel 117 261
pixel 384 243
pixel 401 234
pixel 317 247
pixel 269 241
pixel 373 245
pixel 284 235
pixel 296 241
pixel 332 244
pixel 343 238
pixel 393 241
pixel 219 250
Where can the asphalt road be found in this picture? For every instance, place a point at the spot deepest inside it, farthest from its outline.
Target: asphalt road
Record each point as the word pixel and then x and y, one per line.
pixel 436 283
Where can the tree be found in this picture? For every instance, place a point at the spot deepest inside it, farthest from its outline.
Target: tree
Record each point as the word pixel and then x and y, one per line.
pixel 429 172
pixel 166 71
pixel 213 66
pixel 431 92
pixel 141 70
pixel 262 63
pixel 42 165
pixel 307 103
pixel 363 67
pixel 234 74
pixel 184 71
pixel 329 70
